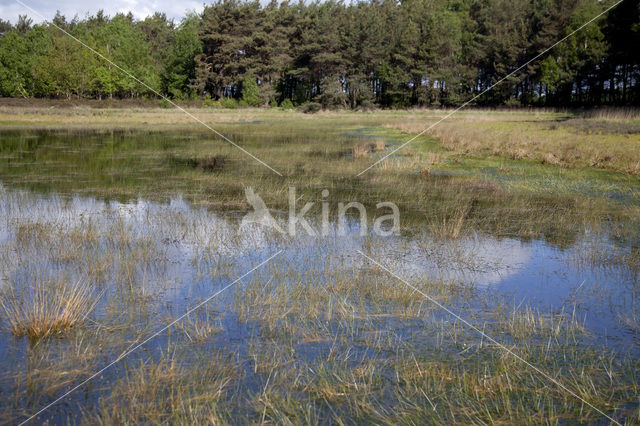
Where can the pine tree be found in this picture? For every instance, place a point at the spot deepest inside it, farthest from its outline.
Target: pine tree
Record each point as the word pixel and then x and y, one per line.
pixel 250 91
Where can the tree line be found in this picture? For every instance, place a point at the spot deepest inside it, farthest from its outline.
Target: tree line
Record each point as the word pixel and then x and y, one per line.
pixel 329 54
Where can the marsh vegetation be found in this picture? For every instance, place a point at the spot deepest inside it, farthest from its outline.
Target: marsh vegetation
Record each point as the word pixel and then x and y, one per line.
pixel 115 222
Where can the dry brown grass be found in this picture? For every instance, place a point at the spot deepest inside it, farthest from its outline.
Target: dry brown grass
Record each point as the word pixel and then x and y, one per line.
pixel 47 309
pixel 360 150
pixel 606 139
pixel 614 114
pixel 197 328
pixel 452 225
pixel 550 158
pixel 379 144
pixel 166 392
pixel 523 323
pixel 631 320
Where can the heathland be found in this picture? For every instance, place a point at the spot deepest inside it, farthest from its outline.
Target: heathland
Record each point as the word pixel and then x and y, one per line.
pixel 509 295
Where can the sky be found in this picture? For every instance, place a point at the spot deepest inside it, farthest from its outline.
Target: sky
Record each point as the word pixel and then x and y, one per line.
pixel 176 9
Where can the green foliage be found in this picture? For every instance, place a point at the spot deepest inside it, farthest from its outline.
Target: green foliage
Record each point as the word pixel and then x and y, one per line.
pixel 19 57
pixel 339 55
pixel 228 103
pixel 286 104
pixel 310 107
pixel 179 70
pixel 250 91
pixel 208 102
pixel 333 94
pixel 42 61
pixel 414 52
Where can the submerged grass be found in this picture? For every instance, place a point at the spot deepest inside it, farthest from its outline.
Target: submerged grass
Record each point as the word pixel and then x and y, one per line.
pixel 312 338
pixel 167 391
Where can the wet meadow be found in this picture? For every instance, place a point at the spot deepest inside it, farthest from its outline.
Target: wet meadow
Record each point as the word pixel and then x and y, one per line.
pixel 509 293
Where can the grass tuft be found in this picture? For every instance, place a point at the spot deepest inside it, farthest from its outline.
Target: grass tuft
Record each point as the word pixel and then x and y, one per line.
pixel 360 150
pixel 47 309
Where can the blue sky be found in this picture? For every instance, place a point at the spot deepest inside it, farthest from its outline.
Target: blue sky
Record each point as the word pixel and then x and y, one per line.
pixel 10 9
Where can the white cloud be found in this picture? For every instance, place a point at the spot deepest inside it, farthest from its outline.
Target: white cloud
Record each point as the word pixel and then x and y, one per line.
pixel 9 9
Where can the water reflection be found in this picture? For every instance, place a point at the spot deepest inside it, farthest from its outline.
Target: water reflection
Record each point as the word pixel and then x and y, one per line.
pixel 183 240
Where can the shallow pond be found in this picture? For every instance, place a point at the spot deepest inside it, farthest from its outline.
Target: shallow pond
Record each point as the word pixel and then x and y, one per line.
pixel 149 261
